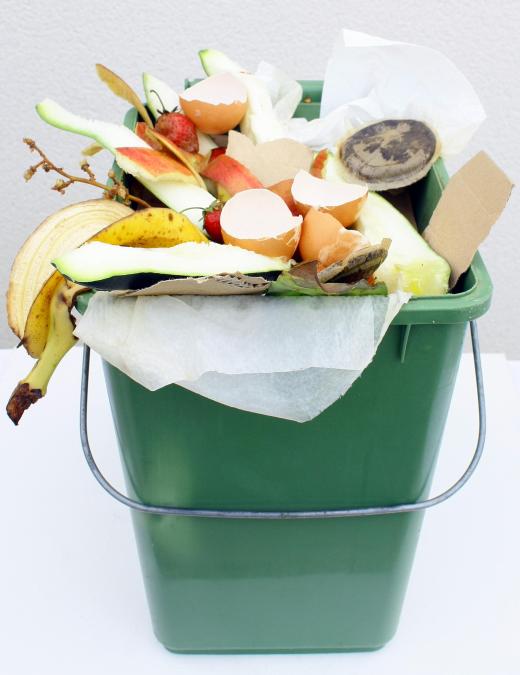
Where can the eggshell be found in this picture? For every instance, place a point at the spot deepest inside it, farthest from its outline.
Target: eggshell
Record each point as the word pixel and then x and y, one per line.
pixel 283 190
pixel 342 200
pixel 348 242
pixel 260 221
pixel 324 238
pixel 215 105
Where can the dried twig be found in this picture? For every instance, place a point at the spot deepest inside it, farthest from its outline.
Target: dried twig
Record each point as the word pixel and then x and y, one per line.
pixel 117 189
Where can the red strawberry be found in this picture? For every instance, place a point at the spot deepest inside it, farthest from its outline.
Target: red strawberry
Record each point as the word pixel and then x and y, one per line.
pixel 179 130
pixel 212 221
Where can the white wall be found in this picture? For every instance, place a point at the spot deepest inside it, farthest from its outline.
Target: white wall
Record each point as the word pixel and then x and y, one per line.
pixel 50 48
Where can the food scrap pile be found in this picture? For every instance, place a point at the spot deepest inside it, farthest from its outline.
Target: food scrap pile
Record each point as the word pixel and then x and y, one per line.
pixel 198 202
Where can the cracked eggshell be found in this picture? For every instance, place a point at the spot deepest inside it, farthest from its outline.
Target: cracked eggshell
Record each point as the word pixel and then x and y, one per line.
pixel 324 238
pixel 344 201
pixel 215 105
pixel 260 221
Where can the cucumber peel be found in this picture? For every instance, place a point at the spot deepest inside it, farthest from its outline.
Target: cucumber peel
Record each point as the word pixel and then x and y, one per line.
pixel 159 96
pixel 95 262
pixel 411 265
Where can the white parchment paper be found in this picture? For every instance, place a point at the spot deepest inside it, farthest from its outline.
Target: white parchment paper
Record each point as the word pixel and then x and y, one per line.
pixel 285 357
pixel 370 79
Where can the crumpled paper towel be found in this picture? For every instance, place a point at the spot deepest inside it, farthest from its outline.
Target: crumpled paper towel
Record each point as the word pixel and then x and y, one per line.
pixel 285 93
pixel 285 357
pixel 369 79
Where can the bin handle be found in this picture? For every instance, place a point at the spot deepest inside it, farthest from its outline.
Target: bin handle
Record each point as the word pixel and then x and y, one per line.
pixel 288 515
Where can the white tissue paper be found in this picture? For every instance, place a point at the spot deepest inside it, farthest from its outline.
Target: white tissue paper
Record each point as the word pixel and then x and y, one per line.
pixel 285 92
pixel 285 357
pixel 369 79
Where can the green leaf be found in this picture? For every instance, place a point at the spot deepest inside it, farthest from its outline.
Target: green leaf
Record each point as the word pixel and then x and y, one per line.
pixel 289 284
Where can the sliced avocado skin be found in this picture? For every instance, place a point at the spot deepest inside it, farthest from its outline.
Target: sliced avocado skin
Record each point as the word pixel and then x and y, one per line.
pixel 391 153
pixel 138 281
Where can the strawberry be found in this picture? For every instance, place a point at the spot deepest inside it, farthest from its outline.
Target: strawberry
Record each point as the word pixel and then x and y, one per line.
pixel 179 130
pixel 212 221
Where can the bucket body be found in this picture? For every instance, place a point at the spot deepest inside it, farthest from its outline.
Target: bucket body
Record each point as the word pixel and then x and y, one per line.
pixel 220 585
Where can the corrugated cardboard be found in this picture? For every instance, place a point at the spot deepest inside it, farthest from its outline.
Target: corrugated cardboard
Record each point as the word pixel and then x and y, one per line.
pixel 470 205
pixel 220 284
pixel 270 162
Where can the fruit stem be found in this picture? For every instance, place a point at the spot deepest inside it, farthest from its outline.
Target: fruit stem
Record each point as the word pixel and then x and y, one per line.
pixel 163 111
pixel 116 190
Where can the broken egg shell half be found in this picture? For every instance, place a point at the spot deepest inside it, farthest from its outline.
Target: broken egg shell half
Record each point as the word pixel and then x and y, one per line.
pixel 344 201
pixel 324 238
pixel 260 221
pixel 215 105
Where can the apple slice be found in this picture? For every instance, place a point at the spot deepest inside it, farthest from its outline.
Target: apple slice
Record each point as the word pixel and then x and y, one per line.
pixel 193 161
pixel 153 165
pixel 230 175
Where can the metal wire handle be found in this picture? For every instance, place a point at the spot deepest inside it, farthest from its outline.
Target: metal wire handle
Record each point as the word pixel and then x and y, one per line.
pixel 288 515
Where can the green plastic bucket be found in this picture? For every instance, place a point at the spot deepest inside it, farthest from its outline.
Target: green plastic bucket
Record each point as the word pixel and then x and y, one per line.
pixel 310 584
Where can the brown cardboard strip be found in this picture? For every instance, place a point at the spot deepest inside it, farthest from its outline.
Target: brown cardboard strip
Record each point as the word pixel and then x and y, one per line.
pixel 270 162
pixel 469 207
pixel 220 284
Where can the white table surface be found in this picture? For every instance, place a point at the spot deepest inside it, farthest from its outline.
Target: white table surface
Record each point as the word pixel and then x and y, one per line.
pixel 71 596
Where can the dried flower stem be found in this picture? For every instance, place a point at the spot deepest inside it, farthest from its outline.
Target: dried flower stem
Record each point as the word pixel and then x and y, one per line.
pixel 110 191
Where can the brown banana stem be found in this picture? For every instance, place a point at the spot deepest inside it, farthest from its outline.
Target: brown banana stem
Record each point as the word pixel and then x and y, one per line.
pixel 60 339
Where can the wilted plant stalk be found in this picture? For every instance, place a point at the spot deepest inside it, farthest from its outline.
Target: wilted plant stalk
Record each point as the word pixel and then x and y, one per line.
pixel 117 189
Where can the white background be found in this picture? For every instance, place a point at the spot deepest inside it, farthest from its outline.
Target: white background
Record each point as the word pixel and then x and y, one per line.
pixel 50 48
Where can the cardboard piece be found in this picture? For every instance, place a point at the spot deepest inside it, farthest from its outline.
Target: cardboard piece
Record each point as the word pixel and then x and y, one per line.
pixel 468 208
pixel 220 284
pixel 270 162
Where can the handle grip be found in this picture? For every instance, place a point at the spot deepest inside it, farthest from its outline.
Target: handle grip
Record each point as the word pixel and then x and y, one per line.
pixel 289 515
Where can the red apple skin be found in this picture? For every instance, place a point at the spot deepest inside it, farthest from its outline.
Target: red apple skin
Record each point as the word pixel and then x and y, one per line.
pixel 216 152
pixel 156 163
pixel 231 175
pixel 318 163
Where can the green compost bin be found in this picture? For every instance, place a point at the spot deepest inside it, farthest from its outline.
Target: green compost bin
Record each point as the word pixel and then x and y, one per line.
pixel 311 585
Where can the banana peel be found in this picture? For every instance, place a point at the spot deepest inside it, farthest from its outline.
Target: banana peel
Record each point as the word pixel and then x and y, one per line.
pixel 59 340
pixel 47 334
pixel 148 228
pixel 38 320
pixel 60 232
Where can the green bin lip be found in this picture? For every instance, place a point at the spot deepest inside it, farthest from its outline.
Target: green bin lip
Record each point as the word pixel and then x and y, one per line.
pixel 468 304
